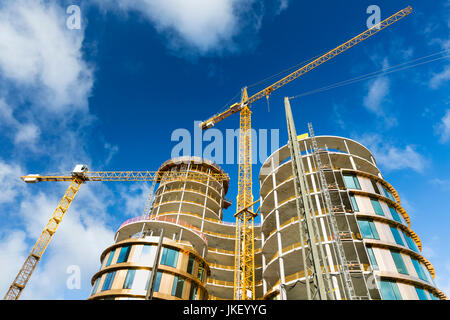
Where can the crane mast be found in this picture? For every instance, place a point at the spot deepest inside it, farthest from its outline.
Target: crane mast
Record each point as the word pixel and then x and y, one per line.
pixel 244 278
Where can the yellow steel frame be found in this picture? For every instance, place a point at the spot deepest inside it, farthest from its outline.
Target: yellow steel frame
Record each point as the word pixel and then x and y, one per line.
pixel 244 266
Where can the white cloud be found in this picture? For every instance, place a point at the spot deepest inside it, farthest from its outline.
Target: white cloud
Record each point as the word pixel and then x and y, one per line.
pixel 204 25
pixel 391 157
pixel 443 127
pixel 39 52
pixel 10 184
pixel 441 77
pixel 377 96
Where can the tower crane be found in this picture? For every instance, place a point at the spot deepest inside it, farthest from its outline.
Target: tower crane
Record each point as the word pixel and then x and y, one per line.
pixel 244 271
pixel 78 176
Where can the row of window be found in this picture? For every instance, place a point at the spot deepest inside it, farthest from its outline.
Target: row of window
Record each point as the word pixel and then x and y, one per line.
pixel 140 280
pixel 169 257
pixel 389 291
pixel 369 231
pixel 351 182
pixel 420 269
pixel 377 208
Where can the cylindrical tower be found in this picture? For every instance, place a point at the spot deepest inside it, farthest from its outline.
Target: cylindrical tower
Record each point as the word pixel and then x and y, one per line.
pixel 385 260
pixel 199 245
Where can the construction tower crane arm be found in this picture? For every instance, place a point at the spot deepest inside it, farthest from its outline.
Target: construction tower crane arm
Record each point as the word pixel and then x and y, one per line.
pixel 244 271
pixel 78 176
pixel 236 107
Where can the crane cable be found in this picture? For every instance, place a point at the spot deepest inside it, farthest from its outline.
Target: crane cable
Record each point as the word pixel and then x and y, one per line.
pixel 374 74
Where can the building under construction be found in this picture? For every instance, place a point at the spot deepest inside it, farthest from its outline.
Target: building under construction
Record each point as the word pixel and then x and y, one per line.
pixel 364 234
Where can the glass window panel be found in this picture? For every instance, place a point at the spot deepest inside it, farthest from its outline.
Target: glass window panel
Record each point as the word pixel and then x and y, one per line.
pixel 108 281
pixel 177 287
pixel 157 281
pixel 111 255
pixel 190 266
pixel 373 261
pixel 411 243
pixel 421 294
pixel 389 290
pixel 129 279
pixel 399 263
pixel 147 255
pixel 368 229
pixel 377 207
pixel 375 186
pixel 419 270
pixel 193 292
pixel 354 203
pixel 397 236
pixel 351 181
pixel 169 257
pixel 200 271
pixel 94 289
pixel 140 280
pixel 395 214
pixel 124 253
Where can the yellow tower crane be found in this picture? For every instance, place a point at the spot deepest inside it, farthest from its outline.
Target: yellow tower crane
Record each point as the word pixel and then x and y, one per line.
pixel 79 175
pixel 244 271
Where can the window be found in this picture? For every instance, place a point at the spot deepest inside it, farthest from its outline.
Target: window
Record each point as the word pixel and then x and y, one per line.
pixel 157 281
pixel 190 266
pixel 94 290
pixel 193 292
pixel 169 257
pixel 395 214
pixel 177 288
pixel 377 207
pixel 389 290
pixel 354 203
pixel 421 294
pixel 399 263
pixel 200 271
pixel 419 270
pixel 108 281
pixel 129 279
pixel 141 280
pixel 124 253
pixel 375 187
pixel 373 261
pixel 397 236
pixel 351 181
pixel 388 194
pixel 411 244
pixel 111 255
pixel 147 255
pixel 368 229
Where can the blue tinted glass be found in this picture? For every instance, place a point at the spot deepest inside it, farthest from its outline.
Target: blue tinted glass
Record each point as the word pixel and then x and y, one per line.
pixel 401 268
pixel 377 207
pixel 354 203
pixel 108 281
pixel 124 253
pixel 419 270
pixel 111 255
pixel 373 261
pixel 169 257
pixel 389 290
pixel 421 294
pixel 395 215
pixel 397 236
pixel 129 279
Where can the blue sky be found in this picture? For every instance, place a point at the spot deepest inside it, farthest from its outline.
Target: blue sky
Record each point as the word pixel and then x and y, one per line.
pixel 112 93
